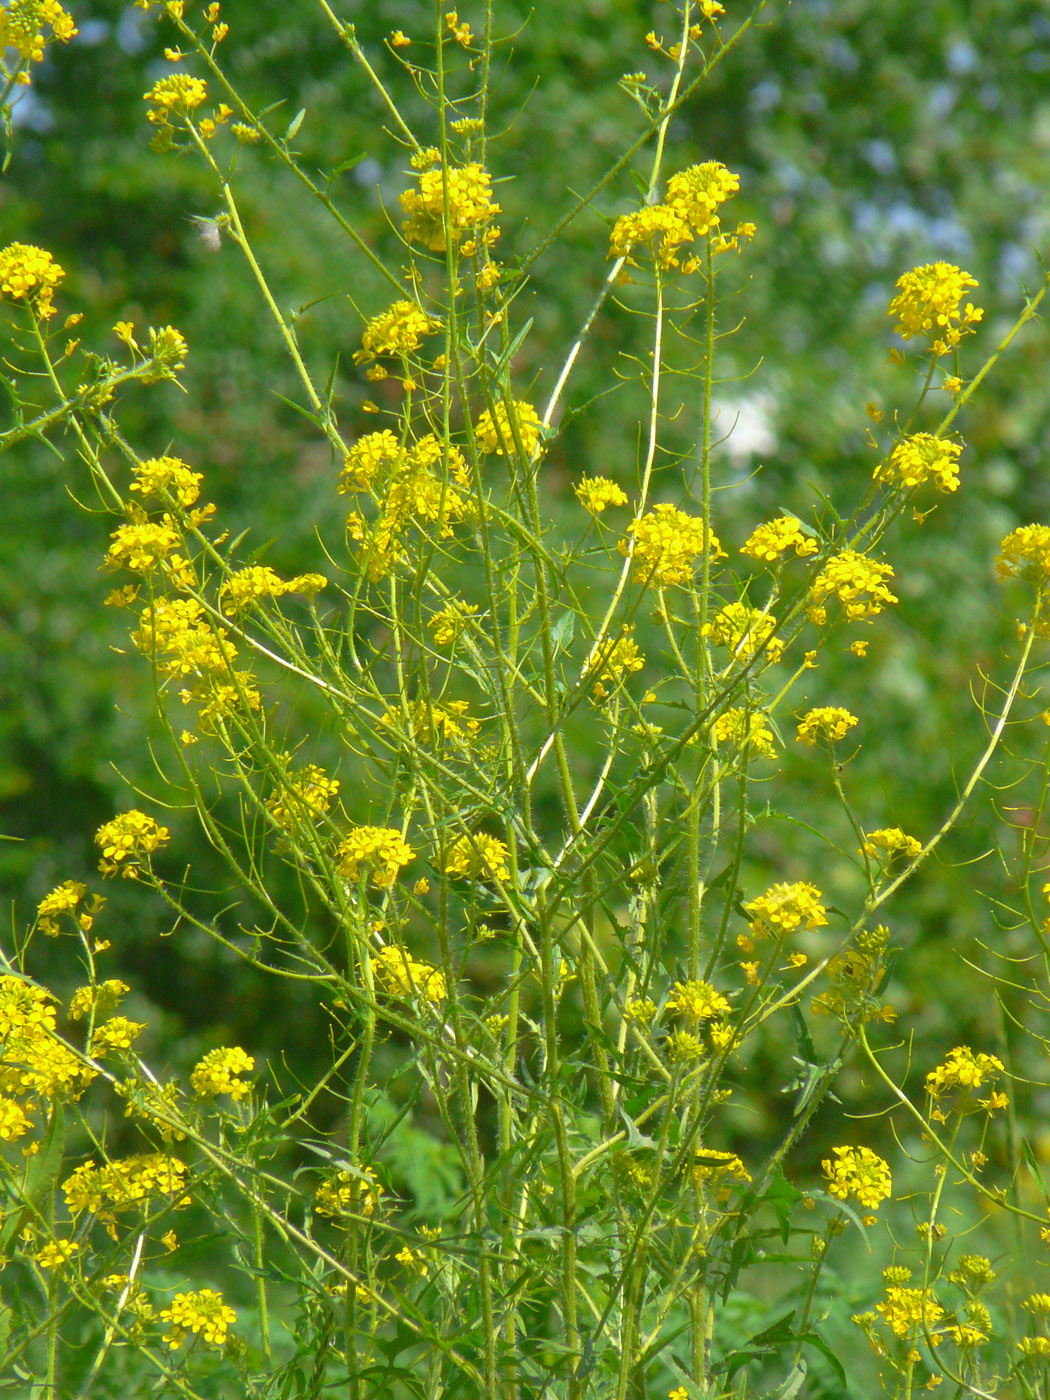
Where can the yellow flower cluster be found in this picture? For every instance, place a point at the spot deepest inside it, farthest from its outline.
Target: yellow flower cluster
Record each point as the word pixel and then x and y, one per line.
pixel 402 976
pixel 336 1195
pixel 450 622
pixel 744 632
pixel 167 352
pixel 57 1253
pixel 123 1184
pixel 397 331
pixel 415 488
pixel 921 458
pixel 786 907
pixel 858 1172
pixel 142 544
pixel 742 728
pixel 697 1001
pixel 380 850
pixel 927 304
pixel 167 479
pixel 909 1311
pixel 721 1167
pixel 690 211
pixel 478 857
pixel 859 583
pixel 203 1314
pixel 963 1069
pixel 118 1033
pixel 776 537
pixel 31 275
pixel 471 208
pixel 247 586
pixel 218 1072
pixel 176 632
pixel 855 975
pixel 613 662
pixel 595 493
pixel 666 543
pixel 309 792
pixel 103 998
pixel 177 95
pixel 126 841
pixel 34 1064
pixel 891 841
pixel 1025 553
pixel 24 25
pixel 495 432
pixel 65 899
pixel 827 722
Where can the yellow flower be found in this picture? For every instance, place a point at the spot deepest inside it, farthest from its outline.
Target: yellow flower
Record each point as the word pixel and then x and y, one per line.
pixel 882 845
pixel 826 721
pixel 397 331
pixel 666 544
pixel 126 841
pixel 745 632
pixel 307 793
pixel 697 1000
pixel 776 537
pixel 335 1196
pixel 24 25
pixel 29 274
pixel 203 1314
pixel 595 493
pixel 963 1069
pixel 859 583
pixel 56 1254
pixel 745 728
pixel 478 857
pixel 495 432
pixel 217 1073
pixel 177 95
pixel 401 975
pixel 470 206
pixel 858 1172
pixel 450 622
pixel 927 304
pixel 381 850
pixel 921 458
pixel 248 586
pixel 166 477
pixel 786 907
pixel 613 662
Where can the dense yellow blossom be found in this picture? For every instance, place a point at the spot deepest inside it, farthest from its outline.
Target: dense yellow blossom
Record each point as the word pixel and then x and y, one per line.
pixel 776 537
pixel 478 857
pixel 203 1314
pixel 471 207
pixel 397 331
pixel 909 1311
pixel 921 458
pixel 401 975
pixel 219 1071
pixel 744 632
pixel 494 432
pixel 666 543
pixel 24 26
pixel 176 95
pixel 164 477
pixel 858 1172
pixel 57 1253
pixel 786 907
pixel 927 303
pixel 380 850
pixel 307 792
pixel 1025 553
pixel 118 1033
pixel 65 899
pixel 123 1184
pixel 698 1001
pixel 742 728
pixel 101 997
pixel 596 493
pixel 451 621
pixel 31 275
pixel 248 586
pixel 859 583
pixel 14 1120
pixel 963 1069
pixel 825 721
pixel 690 211
pixel 890 841
pixel 142 544
pixel 126 841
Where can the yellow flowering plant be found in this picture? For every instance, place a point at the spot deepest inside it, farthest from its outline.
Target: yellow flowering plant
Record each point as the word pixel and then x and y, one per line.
pixel 524 852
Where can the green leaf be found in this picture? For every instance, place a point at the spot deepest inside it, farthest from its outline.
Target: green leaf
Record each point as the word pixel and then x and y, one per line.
pixel 295 124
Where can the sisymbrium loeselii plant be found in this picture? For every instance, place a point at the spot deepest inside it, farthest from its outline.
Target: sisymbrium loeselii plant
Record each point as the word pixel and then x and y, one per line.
pixel 523 862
